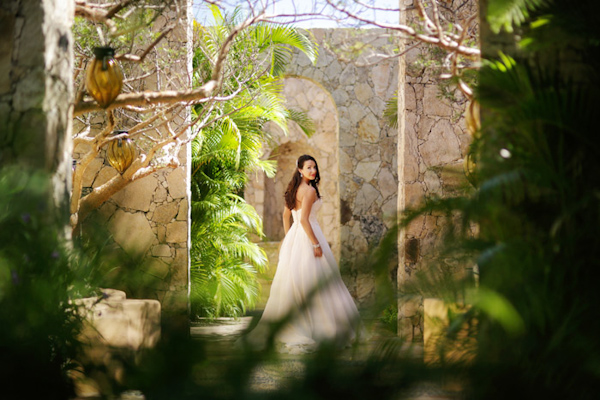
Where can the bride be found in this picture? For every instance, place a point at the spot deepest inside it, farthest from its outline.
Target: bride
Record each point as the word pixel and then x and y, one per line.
pixel 309 303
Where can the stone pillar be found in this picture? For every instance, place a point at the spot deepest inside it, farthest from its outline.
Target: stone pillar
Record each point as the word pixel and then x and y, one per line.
pixel 149 219
pixel 36 67
pixel 405 310
pixel 432 144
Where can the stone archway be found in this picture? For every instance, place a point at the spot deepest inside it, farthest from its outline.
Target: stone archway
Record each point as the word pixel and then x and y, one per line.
pixel 266 194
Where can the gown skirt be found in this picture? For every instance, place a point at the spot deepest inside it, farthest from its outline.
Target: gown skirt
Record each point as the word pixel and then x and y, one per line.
pixel 309 303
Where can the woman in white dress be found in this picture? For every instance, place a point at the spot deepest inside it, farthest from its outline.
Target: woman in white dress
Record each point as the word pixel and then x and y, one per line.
pixel 309 303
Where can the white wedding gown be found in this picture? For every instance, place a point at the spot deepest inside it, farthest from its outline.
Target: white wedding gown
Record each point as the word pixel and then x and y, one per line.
pixel 310 293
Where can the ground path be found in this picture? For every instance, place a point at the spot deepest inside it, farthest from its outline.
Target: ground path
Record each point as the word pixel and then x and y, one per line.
pixel 275 374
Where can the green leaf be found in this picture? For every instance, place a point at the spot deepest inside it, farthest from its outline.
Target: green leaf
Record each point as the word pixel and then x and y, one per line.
pixel 504 14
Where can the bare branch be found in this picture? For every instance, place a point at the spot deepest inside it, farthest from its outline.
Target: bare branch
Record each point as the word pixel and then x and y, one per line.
pixel 448 44
pixel 190 96
pixel 113 11
pixel 136 58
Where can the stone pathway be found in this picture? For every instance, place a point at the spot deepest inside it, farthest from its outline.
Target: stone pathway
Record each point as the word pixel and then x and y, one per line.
pixel 274 374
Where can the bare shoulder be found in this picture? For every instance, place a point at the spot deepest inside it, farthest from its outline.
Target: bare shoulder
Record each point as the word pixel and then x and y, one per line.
pixel 306 192
pixel 310 192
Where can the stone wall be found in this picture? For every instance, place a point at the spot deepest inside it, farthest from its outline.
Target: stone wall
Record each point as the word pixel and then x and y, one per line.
pixel 266 194
pixel 149 220
pixel 434 142
pixel 36 61
pixel 358 162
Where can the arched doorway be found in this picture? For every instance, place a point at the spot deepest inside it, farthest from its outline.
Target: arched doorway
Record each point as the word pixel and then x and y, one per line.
pixel 266 194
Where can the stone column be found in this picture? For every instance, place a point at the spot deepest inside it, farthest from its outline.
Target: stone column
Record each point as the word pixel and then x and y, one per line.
pixel 149 219
pixel 405 309
pixel 36 68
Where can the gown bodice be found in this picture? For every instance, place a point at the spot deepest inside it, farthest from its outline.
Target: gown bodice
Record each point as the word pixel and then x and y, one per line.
pixel 297 214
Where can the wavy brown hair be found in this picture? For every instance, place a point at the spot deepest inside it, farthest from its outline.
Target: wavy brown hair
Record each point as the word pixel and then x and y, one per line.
pixel 292 189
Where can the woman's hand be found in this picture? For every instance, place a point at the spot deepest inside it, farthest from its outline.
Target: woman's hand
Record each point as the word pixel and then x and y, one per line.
pixel 318 251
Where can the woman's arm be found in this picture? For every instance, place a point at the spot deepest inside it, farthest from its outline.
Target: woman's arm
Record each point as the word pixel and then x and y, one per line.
pixel 309 198
pixel 286 219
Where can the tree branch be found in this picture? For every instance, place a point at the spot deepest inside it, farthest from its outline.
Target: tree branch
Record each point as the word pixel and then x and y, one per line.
pixel 190 96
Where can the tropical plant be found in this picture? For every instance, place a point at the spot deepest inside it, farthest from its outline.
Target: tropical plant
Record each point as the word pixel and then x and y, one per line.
pixel 39 278
pixel 224 259
pixel 533 307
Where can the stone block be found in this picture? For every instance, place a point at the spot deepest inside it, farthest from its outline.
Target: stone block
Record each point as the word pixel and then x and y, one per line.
pixel 363 93
pixel 340 96
pixel 132 232
pixel 125 324
pixel 368 129
pixel 138 194
pixel 160 195
pixel 380 75
pixel 106 211
pixel 367 152
pixel 416 227
pixel 165 213
pixel 356 112
pixel 182 214
pixel 348 75
pixel 91 171
pixel 104 175
pixel 424 125
pixel 175 302
pixel 432 182
pixel 387 184
pixel 433 104
pixel 155 267
pixel 367 169
pixel 389 211
pixel 442 146
pixel 178 183
pixel 345 162
pixel 347 134
pixel 179 267
pixel 177 232
pixel 410 100
pixel 365 199
pixel 365 287
pixel 161 250
pixel 332 72
pixel 413 193
pixel 453 178
pixel 377 107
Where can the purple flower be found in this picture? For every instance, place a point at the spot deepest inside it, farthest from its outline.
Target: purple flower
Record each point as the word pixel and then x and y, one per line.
pixel 26 217
pixel 55 254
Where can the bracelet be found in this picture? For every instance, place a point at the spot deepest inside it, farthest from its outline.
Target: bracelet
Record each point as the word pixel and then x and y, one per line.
pixel 316 246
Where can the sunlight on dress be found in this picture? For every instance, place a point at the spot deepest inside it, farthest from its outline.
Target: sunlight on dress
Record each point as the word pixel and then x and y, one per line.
pixel 309 302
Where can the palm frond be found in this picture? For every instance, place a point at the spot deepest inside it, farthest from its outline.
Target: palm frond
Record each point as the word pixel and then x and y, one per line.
pixel 508 13
pixel 303 120
pixel 390 114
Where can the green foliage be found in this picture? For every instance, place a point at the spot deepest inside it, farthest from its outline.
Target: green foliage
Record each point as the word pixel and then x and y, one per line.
pixel 39 276
pixel 508 13
pixel 224 259
pixel 389 318
pixel 533 301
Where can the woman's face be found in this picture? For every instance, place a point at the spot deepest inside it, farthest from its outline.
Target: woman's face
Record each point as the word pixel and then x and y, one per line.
pixel 309 170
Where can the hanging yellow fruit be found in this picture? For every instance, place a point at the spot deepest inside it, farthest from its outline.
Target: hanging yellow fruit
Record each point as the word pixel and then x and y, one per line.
pixel 121 152
pixel 104 77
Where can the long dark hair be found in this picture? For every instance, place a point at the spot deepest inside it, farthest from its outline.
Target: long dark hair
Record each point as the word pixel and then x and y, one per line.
pixel 292 189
